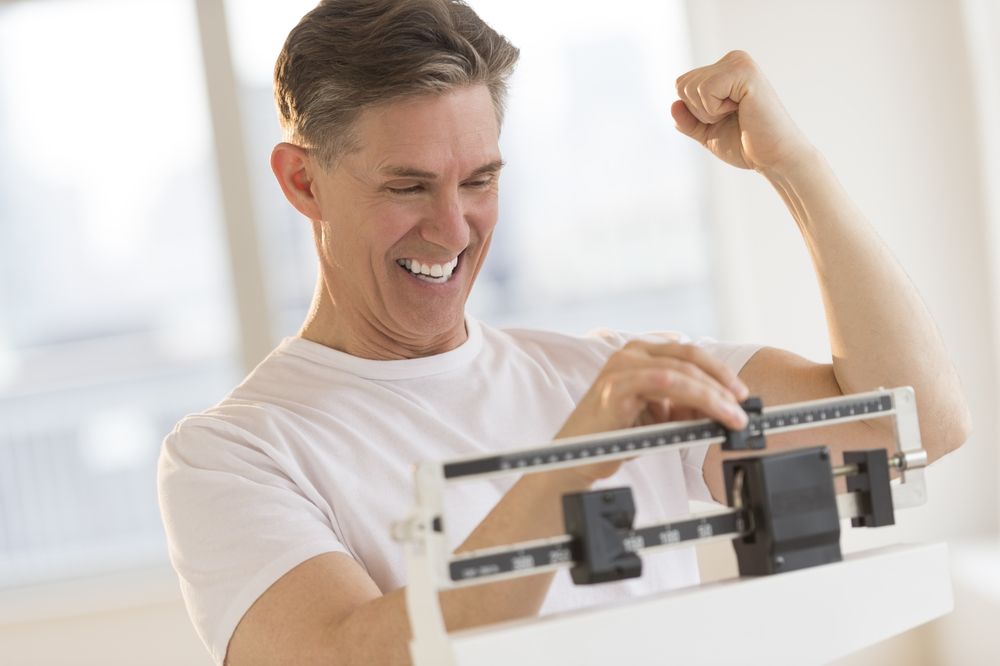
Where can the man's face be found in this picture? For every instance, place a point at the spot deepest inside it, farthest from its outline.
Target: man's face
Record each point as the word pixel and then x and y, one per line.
pixel 418 197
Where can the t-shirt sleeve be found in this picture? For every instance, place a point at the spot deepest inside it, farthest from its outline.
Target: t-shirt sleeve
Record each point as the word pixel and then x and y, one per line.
pixel 235 523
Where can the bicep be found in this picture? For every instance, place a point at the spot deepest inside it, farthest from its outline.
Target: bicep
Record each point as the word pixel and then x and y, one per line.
pixel 292 621
pixel 779 377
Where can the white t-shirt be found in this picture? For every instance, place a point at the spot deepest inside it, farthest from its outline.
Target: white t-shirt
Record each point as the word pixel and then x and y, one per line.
pixel 313 454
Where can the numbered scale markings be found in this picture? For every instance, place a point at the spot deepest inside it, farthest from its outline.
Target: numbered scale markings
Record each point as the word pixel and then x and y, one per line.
pixel 683 435
pixel 558 552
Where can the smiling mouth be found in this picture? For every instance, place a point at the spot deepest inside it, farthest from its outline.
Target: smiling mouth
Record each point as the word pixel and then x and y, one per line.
pixel 432 273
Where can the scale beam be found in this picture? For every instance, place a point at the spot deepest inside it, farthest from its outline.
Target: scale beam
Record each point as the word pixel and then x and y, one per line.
pixel 654 438
pixel 534 557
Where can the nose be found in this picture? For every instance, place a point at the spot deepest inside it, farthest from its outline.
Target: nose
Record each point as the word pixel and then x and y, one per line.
pixel 445 224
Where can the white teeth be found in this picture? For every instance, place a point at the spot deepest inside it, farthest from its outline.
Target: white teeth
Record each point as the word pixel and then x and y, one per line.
pixel 442 271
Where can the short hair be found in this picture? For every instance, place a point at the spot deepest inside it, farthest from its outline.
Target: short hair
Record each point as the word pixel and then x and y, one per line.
pixel 346 56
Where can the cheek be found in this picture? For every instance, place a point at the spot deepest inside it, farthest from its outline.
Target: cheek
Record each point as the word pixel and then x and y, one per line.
pixel 377 227
pixel 483 215
pixel 391 224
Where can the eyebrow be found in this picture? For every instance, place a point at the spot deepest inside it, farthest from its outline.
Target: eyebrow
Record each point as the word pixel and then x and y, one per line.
pixel 411 172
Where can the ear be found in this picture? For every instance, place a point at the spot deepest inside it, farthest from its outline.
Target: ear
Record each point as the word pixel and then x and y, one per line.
pixel 294 169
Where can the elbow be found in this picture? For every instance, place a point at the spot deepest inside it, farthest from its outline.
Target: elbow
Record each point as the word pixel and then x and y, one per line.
pixel 963 428
pixel 952 430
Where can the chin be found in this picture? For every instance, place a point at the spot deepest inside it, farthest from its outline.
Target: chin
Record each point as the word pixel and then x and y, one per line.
pixel 430 325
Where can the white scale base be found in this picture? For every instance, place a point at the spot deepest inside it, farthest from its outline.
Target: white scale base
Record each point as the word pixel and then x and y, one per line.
pixel 811 616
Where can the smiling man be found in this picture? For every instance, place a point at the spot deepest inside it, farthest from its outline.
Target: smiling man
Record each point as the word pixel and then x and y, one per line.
pixel 278 501
pixel 402 223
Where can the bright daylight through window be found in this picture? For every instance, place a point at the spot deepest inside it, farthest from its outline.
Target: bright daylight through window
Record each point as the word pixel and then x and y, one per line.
pixel 116 296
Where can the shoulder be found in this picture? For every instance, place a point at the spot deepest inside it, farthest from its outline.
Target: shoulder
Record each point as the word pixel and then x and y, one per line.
pixel 603 342
pixel 204 448
pixel 563 353
pixel 600 342
pixel 237 434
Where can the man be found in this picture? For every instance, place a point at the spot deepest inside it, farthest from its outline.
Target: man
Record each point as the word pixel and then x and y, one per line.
pixel 278 501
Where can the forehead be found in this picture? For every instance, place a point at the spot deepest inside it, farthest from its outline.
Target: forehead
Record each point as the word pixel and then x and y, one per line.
pixel 452 130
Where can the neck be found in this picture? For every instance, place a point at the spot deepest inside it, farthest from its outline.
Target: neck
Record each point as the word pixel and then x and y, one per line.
pixel 353 333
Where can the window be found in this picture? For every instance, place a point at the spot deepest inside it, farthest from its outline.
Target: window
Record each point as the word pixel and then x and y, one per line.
pixel 117 307
pixel 115 312
pixel 601 220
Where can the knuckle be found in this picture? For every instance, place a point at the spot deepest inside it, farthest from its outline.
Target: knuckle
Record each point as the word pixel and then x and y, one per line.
pixel 680 350
pixel 615 399
pixel 624 408
pixel 746 64
pixel 689 359
pixel 738 55
pixel 632 345
pixel 686 368
pixel 607 391
pixel 622 358
pixel 613 361
pixel 703 392
pixel 688 351
pixel 701 358
pixel 616 358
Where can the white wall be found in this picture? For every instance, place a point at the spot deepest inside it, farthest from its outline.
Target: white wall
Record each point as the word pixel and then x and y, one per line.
pixel 885 89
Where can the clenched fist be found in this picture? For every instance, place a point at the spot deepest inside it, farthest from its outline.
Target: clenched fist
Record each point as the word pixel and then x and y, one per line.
pixel 731 109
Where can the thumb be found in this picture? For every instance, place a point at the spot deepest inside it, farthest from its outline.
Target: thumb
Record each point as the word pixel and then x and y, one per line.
pixel 686 122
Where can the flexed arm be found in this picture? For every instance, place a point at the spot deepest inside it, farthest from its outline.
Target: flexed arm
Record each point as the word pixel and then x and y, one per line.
pixel 881 333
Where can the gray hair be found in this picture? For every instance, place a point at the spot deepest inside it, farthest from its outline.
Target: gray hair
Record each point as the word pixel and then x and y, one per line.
pixel 346 56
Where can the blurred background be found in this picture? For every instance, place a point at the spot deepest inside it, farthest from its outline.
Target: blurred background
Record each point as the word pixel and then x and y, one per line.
pixel 148 259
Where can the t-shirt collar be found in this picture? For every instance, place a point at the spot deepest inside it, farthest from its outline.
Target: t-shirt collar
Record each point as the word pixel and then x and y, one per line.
pixel 411 368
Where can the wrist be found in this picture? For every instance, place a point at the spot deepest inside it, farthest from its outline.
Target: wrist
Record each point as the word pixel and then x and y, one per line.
pixel 798 164
pixel 558 482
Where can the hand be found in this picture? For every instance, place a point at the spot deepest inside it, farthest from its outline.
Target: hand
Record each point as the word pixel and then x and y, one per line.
pixel 731 109
pixel 645 383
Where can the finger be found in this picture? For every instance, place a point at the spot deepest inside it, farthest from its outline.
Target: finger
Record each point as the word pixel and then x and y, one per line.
pixel 686 122
pixel 625 394
pixel 683 390
pixel 697 357
pixel 638 357
pixel 684 85
pixel 689 95
pixel 682 413
pixel 714 95
pixel 659 411
pixel 717 106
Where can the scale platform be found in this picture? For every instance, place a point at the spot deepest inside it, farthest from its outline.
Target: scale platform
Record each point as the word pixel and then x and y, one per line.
pixel 810 616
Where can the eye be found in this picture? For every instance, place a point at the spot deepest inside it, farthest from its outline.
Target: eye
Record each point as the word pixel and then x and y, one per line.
pixel 479 183
pixel 412 189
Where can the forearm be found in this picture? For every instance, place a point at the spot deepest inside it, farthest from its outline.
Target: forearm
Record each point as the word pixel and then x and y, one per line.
pixel 881 333
pixel 379 631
